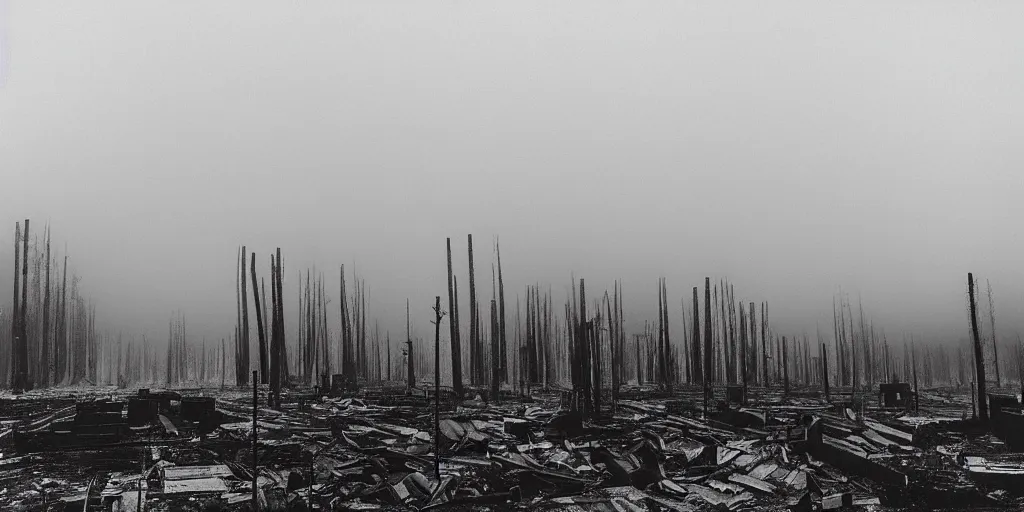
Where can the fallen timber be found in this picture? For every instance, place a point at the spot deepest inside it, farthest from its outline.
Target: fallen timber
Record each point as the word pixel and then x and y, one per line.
pixel 375 450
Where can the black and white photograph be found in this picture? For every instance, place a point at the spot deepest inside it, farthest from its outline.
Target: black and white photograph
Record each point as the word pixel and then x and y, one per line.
pixel 522 255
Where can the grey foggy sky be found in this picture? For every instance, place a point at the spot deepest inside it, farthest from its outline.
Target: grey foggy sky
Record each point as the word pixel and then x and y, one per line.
pixel 791 146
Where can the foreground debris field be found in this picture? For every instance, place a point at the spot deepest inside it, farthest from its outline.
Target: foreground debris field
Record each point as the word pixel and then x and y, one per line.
pixel 126 450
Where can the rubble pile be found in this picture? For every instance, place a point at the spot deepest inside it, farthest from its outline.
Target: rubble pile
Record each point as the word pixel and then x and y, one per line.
pixel 381 449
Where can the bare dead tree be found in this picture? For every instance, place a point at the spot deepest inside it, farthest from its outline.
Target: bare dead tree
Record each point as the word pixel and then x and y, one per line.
pixel 785 366
pixel 453 323
pixel 753 345
pixel 662 378
pixel 347 366
pixel 259 317
pixel 47 361
pixel 502 344
pixel 238 323
pixel 16 384
pixel 743 350
pixel 410 367
pixel 707 341
pixel 696 361
pixel 667 354
pixel 995 344
pixel 979 360
pixel 495 346
pixel 22 354
pixel 612 337
pixel 474 325
pixel 275 360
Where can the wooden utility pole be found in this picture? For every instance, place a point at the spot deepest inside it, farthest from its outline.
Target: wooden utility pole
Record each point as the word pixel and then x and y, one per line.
pixel 453 322
pixel 979 360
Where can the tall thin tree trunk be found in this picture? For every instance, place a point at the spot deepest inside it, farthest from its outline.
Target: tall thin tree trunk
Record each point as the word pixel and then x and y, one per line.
pixel 979 360
pixel 667 355
pixel 47 359
pixel 785 366
pixel 16 384
pixel 23 383
pixel 995 344
pixel 347 368
pixel 743 350
pixel 662 378
pixel 495 347
pixel 474 325
pixel 241 350
pixel 259 319
pixel 453 322
pixel 502 343
pixel 707 341
pixel 696 361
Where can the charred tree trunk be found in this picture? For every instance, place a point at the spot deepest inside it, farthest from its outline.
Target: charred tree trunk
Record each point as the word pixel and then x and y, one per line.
pixel 240 375
pixel 474 325
pixel 979 360
pixel 453 322
pixel 707 341
pixel 495 346
pixel 16 384
pixel 23 382
pixel 764 342
pixel 670 373
pixel 743 351
pixel 696 361
pixel 245 325
pixel 347 368
pixel 583 347
pixel 661 340
pixel 307 344
pixel 753 345
pixel 275 362
pixel 824 371
pixel 995 344
pixel 410 367
pixel 502 344
pixel 47 352
pixel 613 337
pixel 785 366
pixel 259 316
